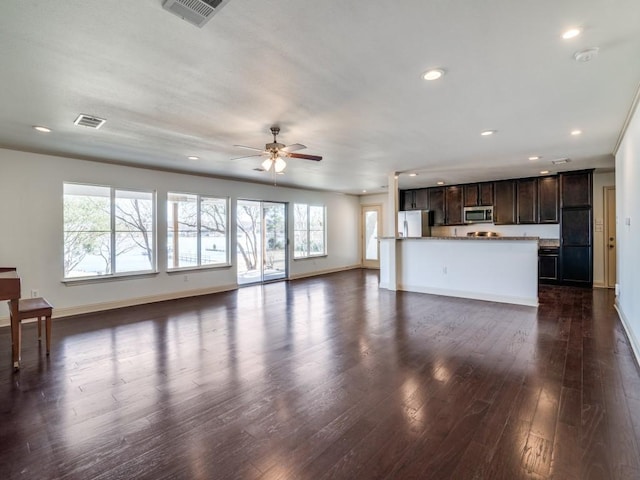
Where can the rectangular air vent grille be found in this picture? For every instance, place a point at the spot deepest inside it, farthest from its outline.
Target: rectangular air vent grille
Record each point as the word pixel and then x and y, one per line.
pixel 89 121
pixel 196 12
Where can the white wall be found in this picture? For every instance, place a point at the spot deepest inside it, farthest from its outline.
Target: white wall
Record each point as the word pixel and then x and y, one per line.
pixel 600 180
pixel 627 231
pixel 31 194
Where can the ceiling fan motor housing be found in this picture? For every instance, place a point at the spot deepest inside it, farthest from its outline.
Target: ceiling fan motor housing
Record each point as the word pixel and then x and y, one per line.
pixel 274 147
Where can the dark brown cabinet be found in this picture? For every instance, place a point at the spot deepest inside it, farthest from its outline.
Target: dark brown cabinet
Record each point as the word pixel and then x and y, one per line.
pixel 548 265
pixel 576 266
pixel 548 200
pixel 527 200
pixel 416 199
pixel 436 205
pixel 576 227
pixel 453 205
pixel 575 188
pixel 576 232
pixel 504 205
pixel 478 194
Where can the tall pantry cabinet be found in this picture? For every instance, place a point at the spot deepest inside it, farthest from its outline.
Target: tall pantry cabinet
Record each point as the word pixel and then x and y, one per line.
pixel 576 227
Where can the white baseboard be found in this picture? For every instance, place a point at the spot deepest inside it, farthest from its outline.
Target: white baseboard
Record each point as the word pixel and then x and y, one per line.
pixel 633 341
pixel 529 302
pixel 324 272
pixel 130 302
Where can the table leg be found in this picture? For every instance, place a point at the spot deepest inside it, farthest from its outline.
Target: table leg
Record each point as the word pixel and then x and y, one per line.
pixel 16 335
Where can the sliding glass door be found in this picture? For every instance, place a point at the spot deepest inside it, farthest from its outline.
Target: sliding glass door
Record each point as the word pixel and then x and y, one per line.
pixel 262 241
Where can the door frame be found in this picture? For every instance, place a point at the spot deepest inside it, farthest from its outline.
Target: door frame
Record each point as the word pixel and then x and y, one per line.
pixel 608 283
pixel 262 238
pixel 373 264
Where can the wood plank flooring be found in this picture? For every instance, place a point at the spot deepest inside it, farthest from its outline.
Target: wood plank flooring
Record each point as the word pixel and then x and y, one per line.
pixel 327 378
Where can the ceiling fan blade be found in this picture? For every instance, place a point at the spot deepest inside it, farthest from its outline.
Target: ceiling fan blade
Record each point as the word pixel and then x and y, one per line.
pixel 293 147
pixel 247 156
pixel 305 157
pixel 250 148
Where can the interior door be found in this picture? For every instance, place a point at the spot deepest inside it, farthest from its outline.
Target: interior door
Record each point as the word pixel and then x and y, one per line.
pixel 610 243
pixel 261 241
pixel 371 229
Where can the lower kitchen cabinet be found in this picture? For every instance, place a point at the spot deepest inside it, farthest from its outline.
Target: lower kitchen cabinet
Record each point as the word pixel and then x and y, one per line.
pixel 548 265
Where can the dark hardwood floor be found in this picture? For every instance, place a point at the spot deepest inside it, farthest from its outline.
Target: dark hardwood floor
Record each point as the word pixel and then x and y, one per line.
pixel 327 378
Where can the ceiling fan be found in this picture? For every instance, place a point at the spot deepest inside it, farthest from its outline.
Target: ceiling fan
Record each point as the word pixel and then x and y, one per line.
pixel 276 152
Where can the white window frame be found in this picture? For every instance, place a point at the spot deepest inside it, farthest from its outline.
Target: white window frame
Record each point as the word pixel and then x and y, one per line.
pixel 297 255
pixel 113 232
pixel 227 237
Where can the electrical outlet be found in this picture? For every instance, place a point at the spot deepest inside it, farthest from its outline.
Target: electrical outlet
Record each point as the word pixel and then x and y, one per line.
pixel 35 293
pixel 186 278
pixel 444 270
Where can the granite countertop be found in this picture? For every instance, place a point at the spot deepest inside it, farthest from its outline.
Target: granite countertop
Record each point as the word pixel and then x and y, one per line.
pixel 549 242
pixel 462 238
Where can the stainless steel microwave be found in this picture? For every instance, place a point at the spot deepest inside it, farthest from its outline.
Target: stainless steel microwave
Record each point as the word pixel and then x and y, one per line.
pixel 478 214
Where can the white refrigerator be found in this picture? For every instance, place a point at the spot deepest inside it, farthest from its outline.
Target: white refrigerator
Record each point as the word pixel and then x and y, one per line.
pixel 415 223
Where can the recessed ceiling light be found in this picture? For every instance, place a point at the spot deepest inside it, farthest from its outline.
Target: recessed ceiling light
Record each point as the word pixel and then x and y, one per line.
pixel 544 172
pixel 576 132
pixel 413 174
pixel 433 74
pixel 571 33
pixel 42 129
pixel 440 183
pixel 364 191
pixel 193 157
pixel 560 161
pixel 534 157
pixel 486 133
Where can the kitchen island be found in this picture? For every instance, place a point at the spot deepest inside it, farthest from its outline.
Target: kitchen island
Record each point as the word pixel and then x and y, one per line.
pixel 498 269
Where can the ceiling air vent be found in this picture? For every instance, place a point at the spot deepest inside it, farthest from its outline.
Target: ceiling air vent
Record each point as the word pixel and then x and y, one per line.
pixel 89 121
pixel 196 12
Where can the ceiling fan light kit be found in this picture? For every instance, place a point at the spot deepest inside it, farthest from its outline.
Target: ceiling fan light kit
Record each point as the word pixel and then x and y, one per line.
pixel 277 163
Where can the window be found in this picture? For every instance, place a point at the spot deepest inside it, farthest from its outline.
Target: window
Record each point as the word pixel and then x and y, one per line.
pixel 107 231
pixel 309 234
pixel 196 231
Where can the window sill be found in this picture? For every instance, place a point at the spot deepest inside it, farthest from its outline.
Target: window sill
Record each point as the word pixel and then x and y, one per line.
pixel 107 278
pixel 175 271
pixel 310 257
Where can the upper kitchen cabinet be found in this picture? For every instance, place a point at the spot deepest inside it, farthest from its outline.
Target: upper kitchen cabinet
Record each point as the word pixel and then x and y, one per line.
pixel 527 200
pixel 504 205
pixel 548 197
pixel 416 199
pixel 453 205
pixel 436 205
pixel 478 194
pixel 575 189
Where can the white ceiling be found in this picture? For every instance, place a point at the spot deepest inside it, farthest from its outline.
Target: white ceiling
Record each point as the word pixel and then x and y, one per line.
pixel 342 77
